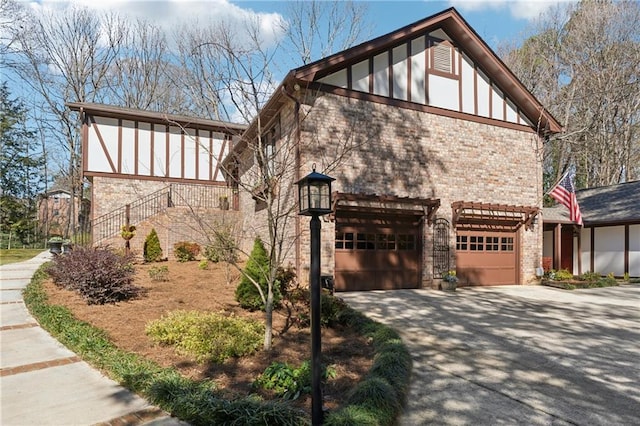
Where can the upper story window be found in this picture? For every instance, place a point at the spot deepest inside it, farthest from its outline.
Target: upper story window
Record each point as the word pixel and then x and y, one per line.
pixel 269 139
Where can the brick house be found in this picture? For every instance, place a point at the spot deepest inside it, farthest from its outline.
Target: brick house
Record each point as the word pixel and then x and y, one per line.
pixel 54 209
pixel 155 170
pixel 436 150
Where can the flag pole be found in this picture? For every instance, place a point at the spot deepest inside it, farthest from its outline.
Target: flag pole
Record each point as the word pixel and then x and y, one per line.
pixel 557 182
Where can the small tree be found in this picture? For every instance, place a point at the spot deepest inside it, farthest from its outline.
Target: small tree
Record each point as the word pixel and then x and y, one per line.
pixel 253 288
pixel 152 251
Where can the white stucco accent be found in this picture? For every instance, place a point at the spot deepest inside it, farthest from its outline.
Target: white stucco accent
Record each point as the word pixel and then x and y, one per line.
pixel 338 79
pixel 360 76
pixel 468 85
pixel 144 149
pixel 381 74
pixel 585 235
pixel 443 92
pixel 400 70
pixel 418 72
pixel 634 250
pixel 482 82
pixel 609 250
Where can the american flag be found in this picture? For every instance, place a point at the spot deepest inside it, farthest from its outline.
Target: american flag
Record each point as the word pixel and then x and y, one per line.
pixel 565 193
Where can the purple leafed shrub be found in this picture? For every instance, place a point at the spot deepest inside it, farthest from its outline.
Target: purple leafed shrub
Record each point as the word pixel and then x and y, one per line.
pixel 99 275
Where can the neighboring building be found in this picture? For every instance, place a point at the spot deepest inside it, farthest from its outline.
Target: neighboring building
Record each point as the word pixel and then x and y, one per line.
pixel 154 170
pixel 435 147
pixel 609 241
pixel 54 209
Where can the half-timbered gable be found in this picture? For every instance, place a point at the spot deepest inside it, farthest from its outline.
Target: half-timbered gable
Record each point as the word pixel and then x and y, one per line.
pixel 438 65
pixel 126 143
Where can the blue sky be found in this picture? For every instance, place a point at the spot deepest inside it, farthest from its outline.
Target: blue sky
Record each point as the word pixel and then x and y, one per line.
pixel 493 20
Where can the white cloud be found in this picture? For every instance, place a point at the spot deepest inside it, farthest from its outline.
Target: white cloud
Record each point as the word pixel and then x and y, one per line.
pixel 169 14
pixel 520 9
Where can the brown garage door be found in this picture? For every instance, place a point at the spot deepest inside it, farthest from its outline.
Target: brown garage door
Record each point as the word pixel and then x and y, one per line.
pixel 376 256
pixel 486 258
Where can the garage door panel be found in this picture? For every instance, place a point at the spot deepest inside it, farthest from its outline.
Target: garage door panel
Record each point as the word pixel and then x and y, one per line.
pixel 486 258
pixel 382 279
pixel 374 256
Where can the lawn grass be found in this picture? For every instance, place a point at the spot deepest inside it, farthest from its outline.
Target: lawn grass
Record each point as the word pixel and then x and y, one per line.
pixel 17 255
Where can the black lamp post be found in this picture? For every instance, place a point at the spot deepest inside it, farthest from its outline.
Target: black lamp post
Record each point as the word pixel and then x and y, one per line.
pixel 314 191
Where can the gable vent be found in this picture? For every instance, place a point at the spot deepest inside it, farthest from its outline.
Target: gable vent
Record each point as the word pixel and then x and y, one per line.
pixel 442 58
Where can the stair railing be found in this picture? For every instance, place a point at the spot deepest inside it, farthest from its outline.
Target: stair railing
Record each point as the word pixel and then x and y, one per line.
pixel 180 194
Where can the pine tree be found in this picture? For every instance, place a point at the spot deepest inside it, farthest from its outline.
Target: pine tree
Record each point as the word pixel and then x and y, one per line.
pixel 20 169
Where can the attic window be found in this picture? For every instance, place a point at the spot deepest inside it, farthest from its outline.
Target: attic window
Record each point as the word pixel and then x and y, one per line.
pixel 442 58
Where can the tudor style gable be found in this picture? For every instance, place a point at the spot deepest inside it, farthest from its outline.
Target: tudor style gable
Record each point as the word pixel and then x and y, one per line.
pixel 133 144
pixel 438 64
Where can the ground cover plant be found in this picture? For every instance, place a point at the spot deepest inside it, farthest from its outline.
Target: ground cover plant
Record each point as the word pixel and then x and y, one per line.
pixel 357 349
pixel 566 280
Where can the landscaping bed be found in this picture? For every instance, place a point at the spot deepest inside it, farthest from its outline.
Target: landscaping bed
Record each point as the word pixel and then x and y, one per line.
pixel 190 288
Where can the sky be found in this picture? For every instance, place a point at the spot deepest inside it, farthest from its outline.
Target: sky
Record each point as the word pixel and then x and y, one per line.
pixel 493 20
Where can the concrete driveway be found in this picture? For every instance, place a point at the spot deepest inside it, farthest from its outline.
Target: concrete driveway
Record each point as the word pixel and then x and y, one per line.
pixel 516 354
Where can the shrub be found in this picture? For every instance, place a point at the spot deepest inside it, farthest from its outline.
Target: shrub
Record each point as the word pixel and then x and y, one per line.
pixel 99 275
pixel 288 382
pixel 223 248
pixel 186 251
pixel 257 268
pixel 285 277
pixel 159 273
pixel 563 275
pixel 590 276
pixel 203 264
pixel 152 251
pixel 330 309
pixel 207 336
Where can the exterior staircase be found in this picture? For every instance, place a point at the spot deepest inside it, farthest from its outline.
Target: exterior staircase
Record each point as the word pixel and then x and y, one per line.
pixel 178 212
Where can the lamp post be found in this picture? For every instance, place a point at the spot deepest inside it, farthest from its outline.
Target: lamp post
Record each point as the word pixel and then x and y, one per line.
pixel 314 192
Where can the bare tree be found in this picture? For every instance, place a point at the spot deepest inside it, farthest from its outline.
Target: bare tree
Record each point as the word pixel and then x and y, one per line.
pixel 583 62
pixel 66 57
pixel 316 29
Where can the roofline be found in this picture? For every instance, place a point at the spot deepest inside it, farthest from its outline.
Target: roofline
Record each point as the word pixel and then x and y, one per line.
pixel 485 56
pixel 113 111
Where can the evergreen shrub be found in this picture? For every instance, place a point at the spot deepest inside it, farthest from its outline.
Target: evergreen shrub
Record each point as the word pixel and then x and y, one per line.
pixel 152 251
pixel 257 268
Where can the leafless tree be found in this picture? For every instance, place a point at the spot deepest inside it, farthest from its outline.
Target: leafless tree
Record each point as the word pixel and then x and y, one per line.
pixel 582 62
pixel 316 29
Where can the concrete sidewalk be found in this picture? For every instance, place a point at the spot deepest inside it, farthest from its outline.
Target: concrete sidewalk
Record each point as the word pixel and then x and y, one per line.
pixel 43 383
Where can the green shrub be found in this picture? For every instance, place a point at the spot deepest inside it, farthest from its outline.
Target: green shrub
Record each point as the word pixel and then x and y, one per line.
pixel 203 264
pixel 330 309
pixel 152 251
pixel 99 275
pixel 608 281
pixel 288 382
pixel 223 248
pixel 378 396
pixel 257 268
pixel 210 336
pixel 159 273
pixel 286 277
pixel 590 276
pixel 186 251
pixel 563 275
